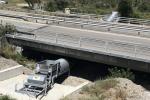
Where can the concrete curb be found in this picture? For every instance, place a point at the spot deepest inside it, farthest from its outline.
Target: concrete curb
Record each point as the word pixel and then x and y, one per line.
pixel 11 72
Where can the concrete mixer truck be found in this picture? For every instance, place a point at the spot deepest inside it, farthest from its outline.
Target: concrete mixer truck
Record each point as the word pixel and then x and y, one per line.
pixel 44 77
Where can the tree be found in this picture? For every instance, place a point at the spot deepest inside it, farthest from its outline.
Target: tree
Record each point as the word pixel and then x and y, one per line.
pixel 32 3
pixel 61 4
pixel 144 7
pixel 125 8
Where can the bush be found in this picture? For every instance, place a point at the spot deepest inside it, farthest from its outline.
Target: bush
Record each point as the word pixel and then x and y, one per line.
pixel 51 6
pixel 123 73
pixel 125 8
pixel 54 5
pixel 144 7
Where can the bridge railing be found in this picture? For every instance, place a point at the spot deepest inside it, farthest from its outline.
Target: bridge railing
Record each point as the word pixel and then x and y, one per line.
pixel 96 45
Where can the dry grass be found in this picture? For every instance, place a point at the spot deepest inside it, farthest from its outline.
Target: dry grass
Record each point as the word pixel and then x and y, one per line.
pixel 94 91
pixel 121 94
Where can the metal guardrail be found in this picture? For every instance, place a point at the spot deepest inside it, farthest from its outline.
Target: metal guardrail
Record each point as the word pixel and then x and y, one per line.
pixel 130 20
pixel 91 24
pixel 120 19
pixel 99 24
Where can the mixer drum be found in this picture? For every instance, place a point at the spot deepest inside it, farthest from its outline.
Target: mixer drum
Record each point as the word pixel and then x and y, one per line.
pixel 64 66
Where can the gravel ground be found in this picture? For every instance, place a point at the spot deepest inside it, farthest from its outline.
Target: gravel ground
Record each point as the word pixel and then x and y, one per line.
pixel 6 63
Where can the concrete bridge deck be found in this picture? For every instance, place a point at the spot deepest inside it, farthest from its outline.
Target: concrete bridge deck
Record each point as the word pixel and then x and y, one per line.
pixel 113 44
pixel 104 47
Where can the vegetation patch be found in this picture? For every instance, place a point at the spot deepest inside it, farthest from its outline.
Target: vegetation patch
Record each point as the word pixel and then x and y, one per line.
pixel 121 73
pixel 6 97
pixel 9 51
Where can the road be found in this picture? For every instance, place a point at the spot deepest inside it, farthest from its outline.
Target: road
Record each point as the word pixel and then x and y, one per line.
pixel 79 23
pixel 39 29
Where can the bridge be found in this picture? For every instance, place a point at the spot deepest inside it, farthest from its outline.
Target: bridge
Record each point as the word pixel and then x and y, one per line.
pixel 117 44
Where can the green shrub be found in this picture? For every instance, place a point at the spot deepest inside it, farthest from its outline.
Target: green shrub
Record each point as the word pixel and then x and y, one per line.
pixel 125 8
pixel 123 73
pixel 144 7
pixel 54 5
pixel 51 6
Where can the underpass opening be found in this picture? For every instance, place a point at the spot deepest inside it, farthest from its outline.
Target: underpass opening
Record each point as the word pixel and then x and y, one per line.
pixel 84 69
pixel 79 68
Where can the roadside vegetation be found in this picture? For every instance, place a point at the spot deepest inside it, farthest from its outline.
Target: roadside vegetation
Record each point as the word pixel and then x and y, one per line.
pixel 6 97
pixel 122 73
pixel 127 8
pixel 130 8
pixel 9 51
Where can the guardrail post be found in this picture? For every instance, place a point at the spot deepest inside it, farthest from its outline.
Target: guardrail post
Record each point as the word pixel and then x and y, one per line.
pixel 81 25
pixel 80 42
pixel 35 36
pixel 16 88
pixel 135 51
pixel 129 21
pixel 106 46
pixel 46 21
pixel 138 33
pixel 56 38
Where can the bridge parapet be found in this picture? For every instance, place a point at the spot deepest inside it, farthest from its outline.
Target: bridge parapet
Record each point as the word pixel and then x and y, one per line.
pixel 117 48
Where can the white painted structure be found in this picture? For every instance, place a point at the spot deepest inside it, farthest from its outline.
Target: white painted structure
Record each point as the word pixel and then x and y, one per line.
pixel 112 16
pixel 11 72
